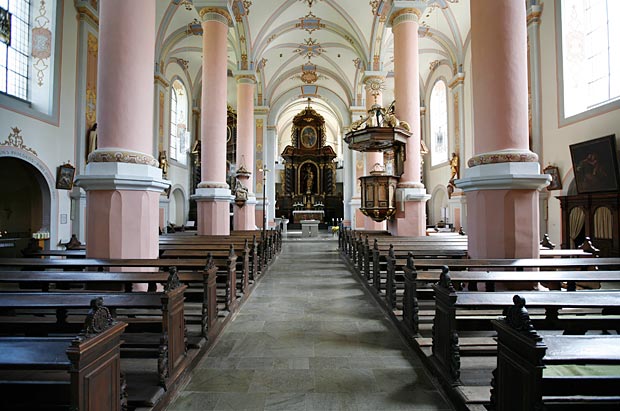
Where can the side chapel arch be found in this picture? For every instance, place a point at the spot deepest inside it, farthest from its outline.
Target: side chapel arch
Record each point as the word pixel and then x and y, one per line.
pixel 47 184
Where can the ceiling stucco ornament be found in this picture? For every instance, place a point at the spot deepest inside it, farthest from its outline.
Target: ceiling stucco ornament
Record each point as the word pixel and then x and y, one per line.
pixel 374 4
pixel 16 140
pixel 310 48
pixel 375 86
pixel 310 23
pixel 433 65
pixel 187 3
pixel 309 2
pixel 308 74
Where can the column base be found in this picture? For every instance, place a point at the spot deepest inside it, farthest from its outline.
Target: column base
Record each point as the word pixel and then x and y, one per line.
pixel 213 210
pixel 370 224
pixel 245 217
pixel 122 213
pixel 502 209
pixel 410 218
pixel 357 217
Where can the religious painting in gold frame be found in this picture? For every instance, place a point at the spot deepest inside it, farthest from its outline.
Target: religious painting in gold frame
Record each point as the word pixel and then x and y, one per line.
pixel 308 136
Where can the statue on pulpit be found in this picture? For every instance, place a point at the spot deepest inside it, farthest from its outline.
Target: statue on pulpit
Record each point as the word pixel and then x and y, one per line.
pixel 309 178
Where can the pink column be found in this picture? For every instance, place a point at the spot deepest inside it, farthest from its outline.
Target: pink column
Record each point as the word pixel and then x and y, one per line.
pixel 125 75
pixel 374 95
pixel 503 177
pixel 411 215
pixel 213 194
pixel 245 216
pixel 122 181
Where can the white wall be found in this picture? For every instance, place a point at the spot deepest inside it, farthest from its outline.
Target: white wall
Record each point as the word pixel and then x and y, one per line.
pixel 556 139
pixel 54 143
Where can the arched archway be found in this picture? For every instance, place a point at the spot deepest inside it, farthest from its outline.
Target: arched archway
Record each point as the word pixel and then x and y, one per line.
pixel 438 203
pixel 177 207
pixel 29 202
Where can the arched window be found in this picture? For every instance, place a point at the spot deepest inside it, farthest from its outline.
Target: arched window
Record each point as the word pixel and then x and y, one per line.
pixel 179 136
pixel 590 52
pixel 439 123
pixel 14 47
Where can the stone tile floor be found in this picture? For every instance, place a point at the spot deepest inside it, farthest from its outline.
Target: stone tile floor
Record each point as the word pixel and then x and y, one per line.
pixel 309 338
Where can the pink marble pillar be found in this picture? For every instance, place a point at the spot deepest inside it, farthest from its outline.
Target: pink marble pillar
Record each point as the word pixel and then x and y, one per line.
pixel 122 180
pixel 374 83
pixel 411 211
pixel 503 177
pixel 245 216
pixel 213 193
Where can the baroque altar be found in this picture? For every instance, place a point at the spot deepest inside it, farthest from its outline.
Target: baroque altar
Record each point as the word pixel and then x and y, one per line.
pixel 309 179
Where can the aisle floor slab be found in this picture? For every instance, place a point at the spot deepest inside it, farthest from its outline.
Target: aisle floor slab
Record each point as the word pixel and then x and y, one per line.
pixel 310 338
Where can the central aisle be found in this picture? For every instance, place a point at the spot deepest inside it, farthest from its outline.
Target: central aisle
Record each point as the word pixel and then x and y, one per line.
pixel 310 338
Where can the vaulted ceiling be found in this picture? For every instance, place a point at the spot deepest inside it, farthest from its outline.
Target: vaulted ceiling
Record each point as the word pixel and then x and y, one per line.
pixel 336 40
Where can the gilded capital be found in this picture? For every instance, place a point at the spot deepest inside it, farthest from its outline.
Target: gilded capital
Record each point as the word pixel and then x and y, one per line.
pixel 405 15
pixel 215 14
pixel 245 77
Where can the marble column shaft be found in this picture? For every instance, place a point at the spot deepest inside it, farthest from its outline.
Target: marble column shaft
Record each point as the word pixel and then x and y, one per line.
pixel 213 193
pixel 122 181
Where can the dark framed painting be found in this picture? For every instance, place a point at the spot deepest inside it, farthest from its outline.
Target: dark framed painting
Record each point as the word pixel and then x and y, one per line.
pixel 595 164
pixel 64 177
pixel 556 181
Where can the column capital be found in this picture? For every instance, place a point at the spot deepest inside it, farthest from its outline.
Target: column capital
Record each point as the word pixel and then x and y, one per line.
pixel 533 14
pixel 261 110
pixel 370 76
pixel 86 11
pixel 245 77
pixel 160 79
pixel 406 10
pixel 216 14
pixel 456 81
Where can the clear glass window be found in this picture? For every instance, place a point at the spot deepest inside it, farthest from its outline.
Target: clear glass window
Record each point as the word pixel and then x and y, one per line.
pixel 14 55
pixel 179 136
pixel 439 123
pixel 590 54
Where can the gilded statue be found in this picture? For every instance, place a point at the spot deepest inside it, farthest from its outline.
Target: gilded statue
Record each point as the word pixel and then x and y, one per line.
pixel 454 167
pixel 92 140
pixel 163 163
pixel 309 179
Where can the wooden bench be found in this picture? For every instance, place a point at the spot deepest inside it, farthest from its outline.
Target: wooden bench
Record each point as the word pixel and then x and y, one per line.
pixel 21 312
pixel 226 262
pixel 446 325
pixel 411 303
pixel 79 373
pixel 205 279
pixel 247 251
pixel 532 370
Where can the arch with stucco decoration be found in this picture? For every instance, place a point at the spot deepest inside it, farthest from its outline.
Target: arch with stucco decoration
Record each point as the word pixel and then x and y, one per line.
pixel 47 184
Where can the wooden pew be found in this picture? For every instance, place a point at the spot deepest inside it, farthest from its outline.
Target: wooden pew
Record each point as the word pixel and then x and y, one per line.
pixel 523 379
pixel 44 280
pixel 227 268
pixel 257 259
pixel 446 326
pixel 171 338
pixel 248 254
pixel 101 263
pixel 80 373
pixel 411 303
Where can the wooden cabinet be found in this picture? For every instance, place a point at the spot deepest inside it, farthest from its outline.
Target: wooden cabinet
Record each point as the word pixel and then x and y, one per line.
pixel 592 215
